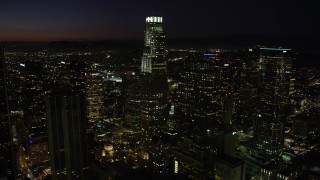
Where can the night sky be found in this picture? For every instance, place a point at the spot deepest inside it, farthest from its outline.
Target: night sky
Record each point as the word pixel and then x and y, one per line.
pixel 30 20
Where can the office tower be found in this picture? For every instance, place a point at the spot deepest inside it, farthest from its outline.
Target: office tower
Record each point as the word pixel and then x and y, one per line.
pixel 228 75
pixel 6 147
pixel 154 84
pixel 153 59
pixel 67 135
pixel 248 77
pixel 231 82
pixel 273 99
pixel 198 108
pixel 95 96
pixel 95 91
pixel 132 100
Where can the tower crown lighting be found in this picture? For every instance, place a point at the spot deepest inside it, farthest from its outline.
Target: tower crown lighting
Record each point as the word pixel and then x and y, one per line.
pixel 154 19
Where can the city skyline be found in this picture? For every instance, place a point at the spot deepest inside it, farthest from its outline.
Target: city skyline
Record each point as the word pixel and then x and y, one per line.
pixel 99 20
pixel 95 106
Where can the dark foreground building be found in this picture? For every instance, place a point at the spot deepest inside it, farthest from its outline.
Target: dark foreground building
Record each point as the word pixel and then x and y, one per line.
pixel 67 135
pixel 6 147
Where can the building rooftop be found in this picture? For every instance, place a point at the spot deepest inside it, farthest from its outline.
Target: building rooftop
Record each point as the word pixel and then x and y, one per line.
pixel 230 161
pixel 271 166
pixel 287 171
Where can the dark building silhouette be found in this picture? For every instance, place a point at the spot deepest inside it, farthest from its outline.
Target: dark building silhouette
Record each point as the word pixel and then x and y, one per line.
pixel 132 95
pixel 7 161
pixel 246 108
pixel 67 135
pixel 228 108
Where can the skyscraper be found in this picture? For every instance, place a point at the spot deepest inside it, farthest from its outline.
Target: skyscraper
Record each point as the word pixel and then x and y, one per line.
pixel 153 58
pixel 67 135
pixel 154 83
pixel 198 110
pixel 7 162
pixel 132 100
pixel 273 98
pixel 94 95
pixel 246 109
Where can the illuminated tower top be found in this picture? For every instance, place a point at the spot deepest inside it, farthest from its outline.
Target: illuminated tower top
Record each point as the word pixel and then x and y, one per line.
pixel 154 19
pixel 154 51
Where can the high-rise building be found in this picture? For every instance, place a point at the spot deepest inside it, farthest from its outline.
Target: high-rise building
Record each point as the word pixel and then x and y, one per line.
pixel 67 135
pixel 132 100
pixel 153 59
pixel 94 95
pixel 7 162
pixel 199 114
pixel 246 108
pixel 273 98
pixel 154 84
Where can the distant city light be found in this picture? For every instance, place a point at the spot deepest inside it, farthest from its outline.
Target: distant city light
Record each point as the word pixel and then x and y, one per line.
pixel 275 49
pixel 211 54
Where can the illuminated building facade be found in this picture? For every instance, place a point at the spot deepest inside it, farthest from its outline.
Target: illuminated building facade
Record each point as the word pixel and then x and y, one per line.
pixel 153 58
pixel 6 151
pixel 94 96
pixel 273 98
pixel 67 135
